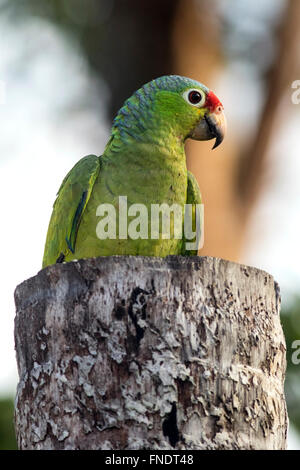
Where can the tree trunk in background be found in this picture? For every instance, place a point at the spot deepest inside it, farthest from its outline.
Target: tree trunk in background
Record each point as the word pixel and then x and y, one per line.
pixel 134 46
pixel 231 185
pixel 198 54
pixel 149 353
pixel 285 70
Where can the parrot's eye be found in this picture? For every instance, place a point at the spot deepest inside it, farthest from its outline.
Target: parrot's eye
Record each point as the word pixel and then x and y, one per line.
pixel 194 97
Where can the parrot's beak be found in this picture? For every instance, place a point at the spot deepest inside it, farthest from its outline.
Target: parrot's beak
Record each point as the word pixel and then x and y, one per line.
pixel 211 126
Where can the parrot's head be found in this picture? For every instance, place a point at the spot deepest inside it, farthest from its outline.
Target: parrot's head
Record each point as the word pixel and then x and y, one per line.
pixel 176 105
pixel 207 114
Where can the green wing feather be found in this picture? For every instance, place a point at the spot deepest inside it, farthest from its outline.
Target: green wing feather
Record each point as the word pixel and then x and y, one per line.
pixel 193 197
pixel 72 198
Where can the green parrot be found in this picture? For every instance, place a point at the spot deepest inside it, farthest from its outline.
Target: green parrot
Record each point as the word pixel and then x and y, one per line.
pixel 142 167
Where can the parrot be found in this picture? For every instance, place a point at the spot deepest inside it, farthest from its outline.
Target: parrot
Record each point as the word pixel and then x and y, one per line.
pixel 143 165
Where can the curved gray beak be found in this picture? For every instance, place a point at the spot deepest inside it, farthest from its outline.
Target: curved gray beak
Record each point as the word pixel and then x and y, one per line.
pixel 212 126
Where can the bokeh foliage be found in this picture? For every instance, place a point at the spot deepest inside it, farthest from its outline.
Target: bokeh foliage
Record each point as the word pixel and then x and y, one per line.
pixel 290 318
pixel 7 430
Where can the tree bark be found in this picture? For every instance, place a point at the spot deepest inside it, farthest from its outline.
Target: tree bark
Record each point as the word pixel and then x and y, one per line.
pixel 150 353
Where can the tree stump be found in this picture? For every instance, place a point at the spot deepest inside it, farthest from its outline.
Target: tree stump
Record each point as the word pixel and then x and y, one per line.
pixel 149 353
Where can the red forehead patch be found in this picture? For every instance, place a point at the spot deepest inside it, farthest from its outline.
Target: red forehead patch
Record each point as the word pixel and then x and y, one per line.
pixel 212 101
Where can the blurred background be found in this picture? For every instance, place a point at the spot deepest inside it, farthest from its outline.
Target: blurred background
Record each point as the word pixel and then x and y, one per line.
pixel 66 66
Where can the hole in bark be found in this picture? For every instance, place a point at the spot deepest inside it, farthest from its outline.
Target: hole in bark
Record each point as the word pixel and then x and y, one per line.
pixel 136 311
pixel 169 427
pixel 120 312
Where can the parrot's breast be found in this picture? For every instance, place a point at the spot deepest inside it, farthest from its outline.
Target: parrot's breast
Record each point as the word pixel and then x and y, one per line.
pixel 132 189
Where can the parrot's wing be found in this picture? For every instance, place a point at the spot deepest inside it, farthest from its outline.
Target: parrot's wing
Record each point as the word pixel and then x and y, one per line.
pixel 193 198
pixel 72 198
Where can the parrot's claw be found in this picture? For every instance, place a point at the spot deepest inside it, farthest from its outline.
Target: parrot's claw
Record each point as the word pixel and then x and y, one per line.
pixel 61 258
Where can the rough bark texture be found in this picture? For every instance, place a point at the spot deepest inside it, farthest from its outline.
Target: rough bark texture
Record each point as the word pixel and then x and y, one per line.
pixel 149 353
